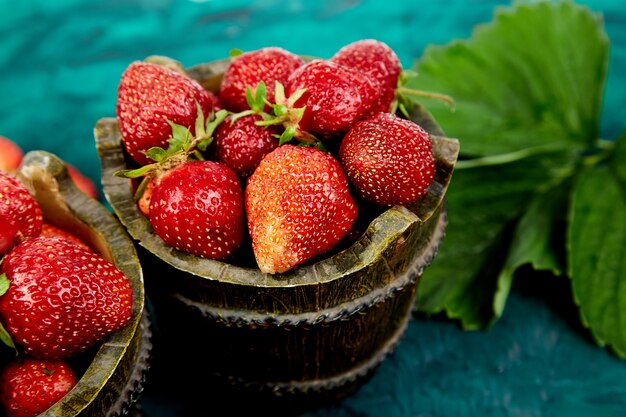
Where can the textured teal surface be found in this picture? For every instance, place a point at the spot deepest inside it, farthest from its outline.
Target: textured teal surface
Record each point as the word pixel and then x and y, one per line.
pixel 60 63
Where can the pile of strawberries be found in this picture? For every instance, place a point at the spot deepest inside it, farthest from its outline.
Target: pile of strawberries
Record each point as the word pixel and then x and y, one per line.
pixel 57 299
pixel 284 154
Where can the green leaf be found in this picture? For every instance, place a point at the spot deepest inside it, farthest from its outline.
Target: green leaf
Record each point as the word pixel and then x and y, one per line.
pixel 180 136
pixel 135 173
pixel 234 52
pixel 617 166
pixel 4 284
pixel 5 337
pixel 533 76
pixel 156 153
pixel 484 204
pixel 533 241
pixel 597 248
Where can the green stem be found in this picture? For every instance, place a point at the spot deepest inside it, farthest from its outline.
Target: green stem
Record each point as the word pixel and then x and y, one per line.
pixel 506 158
pixel 419 93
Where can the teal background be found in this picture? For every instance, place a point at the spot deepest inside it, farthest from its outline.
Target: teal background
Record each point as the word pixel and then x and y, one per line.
pixel 60 63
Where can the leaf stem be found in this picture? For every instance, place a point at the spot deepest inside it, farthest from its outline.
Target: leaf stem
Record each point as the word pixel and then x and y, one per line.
pixel 505 158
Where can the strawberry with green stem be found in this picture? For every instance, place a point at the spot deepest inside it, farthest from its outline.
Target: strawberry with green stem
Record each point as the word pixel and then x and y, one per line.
pixel 182 145
pixel 149 98
pixel 378 60
pixel 320 101
pixel 246 70
pixel 194 205
pixel 29 386
pixel 242 141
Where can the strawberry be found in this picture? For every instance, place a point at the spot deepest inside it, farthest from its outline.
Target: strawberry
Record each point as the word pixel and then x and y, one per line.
pixel 388 159
pixel 50 230
pixel 10 155
pixel 61 298
pixel 143 202
pixel 267 65
pixel 298 205
pixel 376 59
pixel 241 144
pixel 149 96
pixel 333 96
pixel 30 386
pixel 197 207
pixel 20 215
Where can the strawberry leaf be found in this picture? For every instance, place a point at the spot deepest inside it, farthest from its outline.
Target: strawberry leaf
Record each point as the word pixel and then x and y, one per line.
pixel 485 202
pixel 597 247
pixel 528 101
pixel 533 241
pixel 518 85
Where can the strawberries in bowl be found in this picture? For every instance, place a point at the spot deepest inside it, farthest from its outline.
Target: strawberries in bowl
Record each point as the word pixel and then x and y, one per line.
pixel 321 270
pixel 71 303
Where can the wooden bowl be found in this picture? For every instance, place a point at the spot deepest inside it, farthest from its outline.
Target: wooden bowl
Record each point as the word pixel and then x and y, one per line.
pixel 113 371
pixel 319 329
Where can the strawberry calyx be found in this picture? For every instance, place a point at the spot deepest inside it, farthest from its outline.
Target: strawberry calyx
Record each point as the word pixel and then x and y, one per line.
pixel 402 100
pixel 284 112
pixel 183 145
pixel 5 337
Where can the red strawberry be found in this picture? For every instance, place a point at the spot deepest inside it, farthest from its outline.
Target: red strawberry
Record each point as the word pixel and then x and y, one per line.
pixel 50 230
pixel 242 144
pixel 20 215
pixel 388 159
pixel 267 65
pixel 143 203
pixel 149 96
pixel 197 207
pixel 377 59
pixel 334 97
pixel 10 155
pixel 30 386
pixel 61 298
pixel 298 206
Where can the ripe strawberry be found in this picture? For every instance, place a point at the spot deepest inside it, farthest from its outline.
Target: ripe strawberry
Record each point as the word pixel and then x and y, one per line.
pixel 298 206
pixel 242 144
pixel 50 230
pixel 197 207
pixel 10 155
pixel 266 65
pixel 376 59
pixel 61 298
pixel 20 215
pixel 30 386
pixel 334 97
pixel 143 203
pixel 149 96
pixel 388 159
